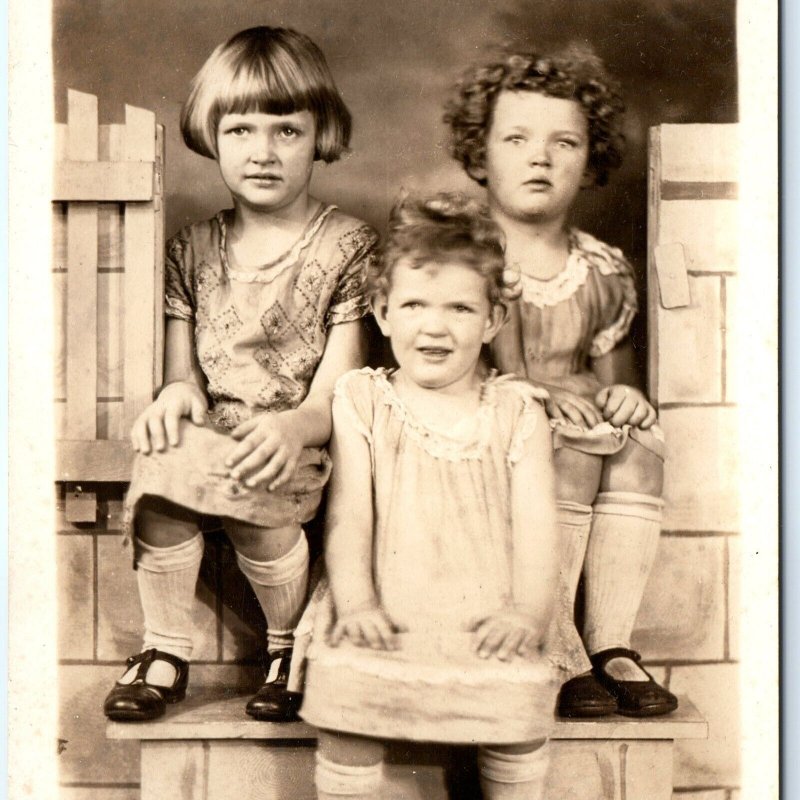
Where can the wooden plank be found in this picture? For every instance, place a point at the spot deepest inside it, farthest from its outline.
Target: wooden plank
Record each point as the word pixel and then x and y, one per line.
pixel 215 714
pixel 81 327
pixel 694 153
pixel 93 461
pixel 174 769
pixel 80 506
pixel 653 240
pixel 103 181
pixel 158 278
pixel 59 326
pixel 140 288
pixel 673 282
pixel 109 334
pixel 698 190
pixel 646 770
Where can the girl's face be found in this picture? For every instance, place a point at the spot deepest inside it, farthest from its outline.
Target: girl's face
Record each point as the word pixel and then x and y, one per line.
pixel 266 160
pixel 437 317
pixel 536 156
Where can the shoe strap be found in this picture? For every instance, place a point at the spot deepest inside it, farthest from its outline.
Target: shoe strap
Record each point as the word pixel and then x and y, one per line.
pixel 147 657
pixel 604 656
pixel 278 668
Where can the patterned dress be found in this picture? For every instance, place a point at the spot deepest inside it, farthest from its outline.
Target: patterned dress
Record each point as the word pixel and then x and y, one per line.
pixel 259 337
pixel 582 313
pixel 442 555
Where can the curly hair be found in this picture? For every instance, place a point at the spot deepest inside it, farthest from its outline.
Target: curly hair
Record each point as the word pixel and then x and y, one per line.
pixel 574 73
pixel 445 228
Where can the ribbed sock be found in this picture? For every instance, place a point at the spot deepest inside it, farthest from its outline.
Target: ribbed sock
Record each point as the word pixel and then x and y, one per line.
pixel 335 780
pixel 280 587
pixel 622 547
pixel 513 776
pixel 564 642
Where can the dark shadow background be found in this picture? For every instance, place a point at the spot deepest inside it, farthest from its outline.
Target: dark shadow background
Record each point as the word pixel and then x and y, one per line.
pixel 394 63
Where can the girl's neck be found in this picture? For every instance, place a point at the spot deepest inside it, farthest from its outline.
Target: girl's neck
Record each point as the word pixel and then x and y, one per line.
pixel 441 407
pixel 537 248
pixel 257 237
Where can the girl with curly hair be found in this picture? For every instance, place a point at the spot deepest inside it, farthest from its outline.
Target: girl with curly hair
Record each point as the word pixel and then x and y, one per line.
pixel 535 129
pixel 441 507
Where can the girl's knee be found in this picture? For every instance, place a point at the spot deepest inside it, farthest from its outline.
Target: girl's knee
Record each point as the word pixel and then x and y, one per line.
pixel 634 469
pixel 262 544
pixel 577 475
pixel 161 523
pixel 350 750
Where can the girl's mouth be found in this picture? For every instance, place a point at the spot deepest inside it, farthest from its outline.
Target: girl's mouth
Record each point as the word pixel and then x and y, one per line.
pixel 539 184
pixel 436 353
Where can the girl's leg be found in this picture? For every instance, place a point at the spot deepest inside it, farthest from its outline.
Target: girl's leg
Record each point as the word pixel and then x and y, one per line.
pixel 168 551
pixel 622 547
pixel 514 772
pixel 348 766
pixel 275 562
pixel 577 480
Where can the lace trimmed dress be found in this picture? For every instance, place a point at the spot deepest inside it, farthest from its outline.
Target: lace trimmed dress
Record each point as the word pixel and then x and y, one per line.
pixel 442 556
pixel 580 314
pixel 259 337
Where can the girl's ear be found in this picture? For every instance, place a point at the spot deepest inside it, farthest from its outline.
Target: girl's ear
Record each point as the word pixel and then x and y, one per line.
pixel 497 317
pixel 380 305
pixel 589 178
pixel 477 173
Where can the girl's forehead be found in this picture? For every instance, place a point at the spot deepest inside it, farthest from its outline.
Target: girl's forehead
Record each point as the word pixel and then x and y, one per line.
pixel 434 275
pixel 265 117
pixel 536 108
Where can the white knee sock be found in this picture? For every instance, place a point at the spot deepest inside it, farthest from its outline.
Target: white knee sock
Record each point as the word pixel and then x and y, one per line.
pixel 513 776
pixel 622 546
pixel 280 587
pixel 340 780
pixel 564 642
pixel 167 578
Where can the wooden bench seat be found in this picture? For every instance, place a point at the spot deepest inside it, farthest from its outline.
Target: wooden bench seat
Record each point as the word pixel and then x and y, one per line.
pixel 206 748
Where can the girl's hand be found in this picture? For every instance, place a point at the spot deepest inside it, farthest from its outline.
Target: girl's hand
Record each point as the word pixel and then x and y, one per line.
pixel 622 405
pixel 569 407
pixel 371 627
pixel 157 426
pixel 268 451
pixel 506 634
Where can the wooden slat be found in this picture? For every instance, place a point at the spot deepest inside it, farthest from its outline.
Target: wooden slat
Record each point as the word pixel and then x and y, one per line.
pixel 103 181
pixel 81 325
pixel 93 461
pixel 80 506
pixel 158 300
pixel 140 289
pixel 695 153
pixel 653 239
pixel 673 282
pixel 699 190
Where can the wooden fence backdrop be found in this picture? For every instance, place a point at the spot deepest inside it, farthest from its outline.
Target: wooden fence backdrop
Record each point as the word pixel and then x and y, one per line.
pixel 108 267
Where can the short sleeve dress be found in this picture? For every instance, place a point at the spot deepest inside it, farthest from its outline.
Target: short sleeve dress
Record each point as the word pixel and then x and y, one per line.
pixel 582 313
pixel 259 337
pixel 442 556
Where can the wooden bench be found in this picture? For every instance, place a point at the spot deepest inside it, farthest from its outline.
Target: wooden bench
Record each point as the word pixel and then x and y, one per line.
pixel 206 748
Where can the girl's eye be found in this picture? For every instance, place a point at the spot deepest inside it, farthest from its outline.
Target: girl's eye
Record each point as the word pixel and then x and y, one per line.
pixel 514 139
pixel 462 309
pixel 289 133
pixel 567 144
pixel 411 305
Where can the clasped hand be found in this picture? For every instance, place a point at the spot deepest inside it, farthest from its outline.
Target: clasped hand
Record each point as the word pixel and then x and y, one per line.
pixel 617 404
pixel 506 634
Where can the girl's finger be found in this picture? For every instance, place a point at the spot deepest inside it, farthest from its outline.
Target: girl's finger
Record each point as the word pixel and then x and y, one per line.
pixel 590 413
pixel 171 420
pixel 508 648
pixel 155 427
pixel 552 409
pixel 139 438
pixel 250 454
pixel 335 635
pixel 198 411
pixel 492 641
pixel 602 397
pixel 258 473
pixel 284 475
pixel 614 401
pixel 240 431
pixel 571 413
pixel 624 413
pixel 650 418
pixel 638 415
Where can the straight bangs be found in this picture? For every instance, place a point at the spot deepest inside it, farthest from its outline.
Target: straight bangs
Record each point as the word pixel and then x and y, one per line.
pixel 266 71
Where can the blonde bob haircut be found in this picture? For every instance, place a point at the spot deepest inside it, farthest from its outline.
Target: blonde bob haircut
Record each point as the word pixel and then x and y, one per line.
pixel 267 71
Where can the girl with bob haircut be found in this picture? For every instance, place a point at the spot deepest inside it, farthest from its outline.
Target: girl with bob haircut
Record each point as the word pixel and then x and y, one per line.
pixel 441 508
pixel 264 306
pixel 534 129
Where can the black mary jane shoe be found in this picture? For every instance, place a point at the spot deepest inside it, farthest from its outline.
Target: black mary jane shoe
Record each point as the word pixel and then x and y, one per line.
pixel 583 696
pixel 634 698
pixel 272 702
pixel 139 700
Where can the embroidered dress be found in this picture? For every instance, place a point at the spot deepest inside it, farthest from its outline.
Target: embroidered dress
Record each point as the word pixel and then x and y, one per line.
pixel 259 337
pixel 442 556
pixel 580 314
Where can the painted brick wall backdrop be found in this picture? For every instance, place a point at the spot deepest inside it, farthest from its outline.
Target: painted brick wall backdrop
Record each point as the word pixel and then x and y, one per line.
pixel 394 64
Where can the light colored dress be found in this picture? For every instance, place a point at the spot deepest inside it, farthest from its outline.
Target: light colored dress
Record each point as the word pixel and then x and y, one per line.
pixel 584 312
pixel 442 557
pixel 259 337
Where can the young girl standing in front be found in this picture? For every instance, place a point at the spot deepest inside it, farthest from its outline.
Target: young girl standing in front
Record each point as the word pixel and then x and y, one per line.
pixel 263 315
pixel 534 129
pixel 441 509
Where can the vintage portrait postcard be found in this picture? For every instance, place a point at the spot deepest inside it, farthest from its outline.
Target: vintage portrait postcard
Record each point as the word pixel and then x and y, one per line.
pixel 393 399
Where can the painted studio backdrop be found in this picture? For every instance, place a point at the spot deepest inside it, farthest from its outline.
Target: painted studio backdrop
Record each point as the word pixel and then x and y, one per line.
pixel 395 63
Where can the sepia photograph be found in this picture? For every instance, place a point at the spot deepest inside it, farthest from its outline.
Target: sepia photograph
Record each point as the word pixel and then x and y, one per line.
pixel 406 410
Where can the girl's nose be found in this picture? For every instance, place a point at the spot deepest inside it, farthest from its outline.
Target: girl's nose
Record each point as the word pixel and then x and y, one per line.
pixel 433 323
pixel 539 155
pixel 263 149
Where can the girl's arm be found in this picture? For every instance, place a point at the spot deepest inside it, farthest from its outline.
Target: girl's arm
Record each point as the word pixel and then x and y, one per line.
pixel 270 444
pixel 620 400
pixel 182 395
pixel 349 539
pixel 520 629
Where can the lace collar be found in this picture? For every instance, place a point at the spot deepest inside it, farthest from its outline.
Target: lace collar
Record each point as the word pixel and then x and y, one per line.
pixel 585 253
pixel 267 273
pixel 440 443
